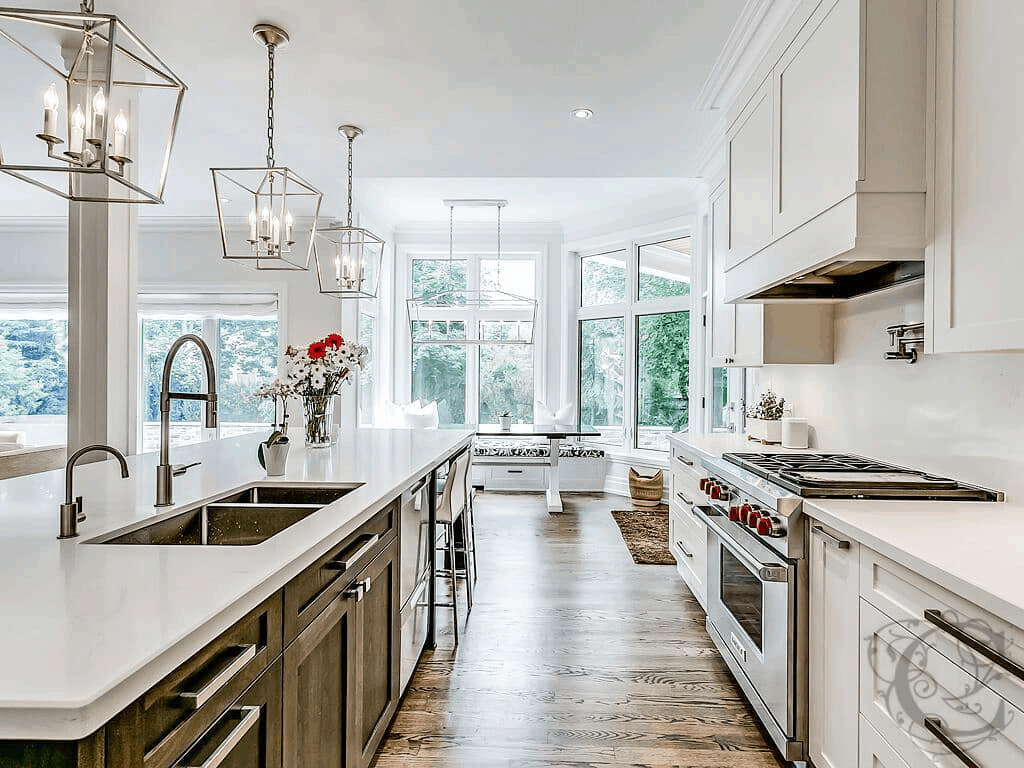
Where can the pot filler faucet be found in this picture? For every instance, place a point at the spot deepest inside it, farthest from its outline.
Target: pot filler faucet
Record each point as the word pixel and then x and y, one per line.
pixel 71 513
pixel 165 473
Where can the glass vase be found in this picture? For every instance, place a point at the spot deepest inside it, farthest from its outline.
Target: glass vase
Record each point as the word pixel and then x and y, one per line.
pixel 319 415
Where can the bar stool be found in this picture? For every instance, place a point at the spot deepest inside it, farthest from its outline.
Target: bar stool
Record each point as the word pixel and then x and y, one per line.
pixel 455 508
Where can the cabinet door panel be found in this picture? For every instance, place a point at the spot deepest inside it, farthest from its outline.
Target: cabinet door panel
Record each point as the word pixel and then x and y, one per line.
pixel 817 86
pixel 378 627
pixel 834 649
pixel 318 690
pixel 722 316
pixel 750 178
pixel 975 268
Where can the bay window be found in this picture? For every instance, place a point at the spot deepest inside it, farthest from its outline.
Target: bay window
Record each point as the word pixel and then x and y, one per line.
pixel 633 322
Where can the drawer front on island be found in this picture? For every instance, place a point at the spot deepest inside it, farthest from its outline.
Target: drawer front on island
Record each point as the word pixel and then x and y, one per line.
pixel 875 752
pixel 175 712
pixel 928 708
pixel 312 591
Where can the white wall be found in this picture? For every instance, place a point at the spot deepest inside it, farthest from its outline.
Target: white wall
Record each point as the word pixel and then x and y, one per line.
pixel 959 415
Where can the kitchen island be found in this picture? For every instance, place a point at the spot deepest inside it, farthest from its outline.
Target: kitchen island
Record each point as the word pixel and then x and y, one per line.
pixel 90 628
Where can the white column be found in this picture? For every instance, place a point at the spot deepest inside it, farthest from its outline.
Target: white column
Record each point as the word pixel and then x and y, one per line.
pixel 102 323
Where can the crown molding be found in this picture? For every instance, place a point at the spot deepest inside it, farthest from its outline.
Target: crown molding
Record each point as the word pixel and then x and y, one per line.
pixel 757 29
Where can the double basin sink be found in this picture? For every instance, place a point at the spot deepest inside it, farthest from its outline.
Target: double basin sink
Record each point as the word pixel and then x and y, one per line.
pixel 242 518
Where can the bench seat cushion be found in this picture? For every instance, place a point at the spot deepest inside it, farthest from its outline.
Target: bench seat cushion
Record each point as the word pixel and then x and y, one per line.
pixel 527 450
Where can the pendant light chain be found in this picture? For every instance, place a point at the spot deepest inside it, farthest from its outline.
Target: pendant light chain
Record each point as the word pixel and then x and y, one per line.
pixel 270 104
pixel 451 247
pixel 350 140
pixel 499 247
pixel 88 6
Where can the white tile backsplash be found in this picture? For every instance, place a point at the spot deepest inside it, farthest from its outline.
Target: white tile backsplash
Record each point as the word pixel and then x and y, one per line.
pixel 960 415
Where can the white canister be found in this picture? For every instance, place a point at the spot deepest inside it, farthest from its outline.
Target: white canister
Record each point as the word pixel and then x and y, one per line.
pixel 794 432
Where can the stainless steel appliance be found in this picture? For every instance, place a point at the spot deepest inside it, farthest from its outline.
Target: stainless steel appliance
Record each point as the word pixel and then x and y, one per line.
pixel 757 568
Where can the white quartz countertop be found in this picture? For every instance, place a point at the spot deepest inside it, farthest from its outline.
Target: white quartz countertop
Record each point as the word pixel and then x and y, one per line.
pixel 88 627
pixel 971 548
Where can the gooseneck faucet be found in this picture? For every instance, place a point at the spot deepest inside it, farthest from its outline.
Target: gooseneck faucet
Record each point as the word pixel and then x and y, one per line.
pixel 165 473
pixel 71 513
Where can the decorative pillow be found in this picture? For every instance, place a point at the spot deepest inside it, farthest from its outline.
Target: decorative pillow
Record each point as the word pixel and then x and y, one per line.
pixel 419 416
pixel 563 417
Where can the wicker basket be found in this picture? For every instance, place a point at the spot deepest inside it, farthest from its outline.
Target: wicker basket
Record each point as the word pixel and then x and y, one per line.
pixel 646 490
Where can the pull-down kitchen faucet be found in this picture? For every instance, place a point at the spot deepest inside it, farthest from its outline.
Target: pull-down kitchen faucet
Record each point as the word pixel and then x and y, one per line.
pixel 165 473
pixel 71 513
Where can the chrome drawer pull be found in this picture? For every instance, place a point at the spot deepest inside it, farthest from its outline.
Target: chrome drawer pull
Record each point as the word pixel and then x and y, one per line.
pixel 683 499
pixel 683 549
pixel 246 653
pixel 934 726
pixel 359 589
pixel 348 562
pixel 246 724
pixel 685 461
pixel 828 537
pixel 934 616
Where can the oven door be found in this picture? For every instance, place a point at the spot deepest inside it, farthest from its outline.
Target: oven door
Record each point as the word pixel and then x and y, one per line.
pixel 752 608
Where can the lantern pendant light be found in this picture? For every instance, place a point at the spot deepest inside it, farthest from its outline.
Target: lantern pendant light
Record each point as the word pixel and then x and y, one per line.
pixel 113 88
pixel 488 315
pixel 348 258
pixel 268 214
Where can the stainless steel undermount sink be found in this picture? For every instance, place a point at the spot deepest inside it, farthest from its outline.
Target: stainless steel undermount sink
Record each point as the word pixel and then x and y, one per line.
pixel 243 518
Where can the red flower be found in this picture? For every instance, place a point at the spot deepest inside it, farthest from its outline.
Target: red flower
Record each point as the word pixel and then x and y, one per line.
pixel 317 350
pixel 334 340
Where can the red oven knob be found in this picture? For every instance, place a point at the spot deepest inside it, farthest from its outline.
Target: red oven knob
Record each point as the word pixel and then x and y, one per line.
pixel 745 510
pixel 753 518
pixel 704 484
pixel 734 513
pixel 771 526
pixel 715 491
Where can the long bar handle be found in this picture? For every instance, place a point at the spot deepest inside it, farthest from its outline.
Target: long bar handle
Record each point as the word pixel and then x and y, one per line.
pixel 685 461
pixel 683 499
pixel 767 572
pixel 683 549
pixel 239 732
pixel 934 616
pixel 829 538
pixel 934 726
pixel 246 653
pixel 355 557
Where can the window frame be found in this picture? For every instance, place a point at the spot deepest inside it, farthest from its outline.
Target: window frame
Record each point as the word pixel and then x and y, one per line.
pixel 630 310
pixel 473 253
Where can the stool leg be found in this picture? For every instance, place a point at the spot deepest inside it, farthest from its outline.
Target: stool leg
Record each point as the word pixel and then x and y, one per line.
pixel 472 534
pixel 450 530
pixel 467 561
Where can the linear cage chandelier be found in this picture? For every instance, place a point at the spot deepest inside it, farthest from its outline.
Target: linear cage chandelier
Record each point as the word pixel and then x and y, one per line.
pixel 267 214
pixel 110 106
pixel 459 316
pixel 347 257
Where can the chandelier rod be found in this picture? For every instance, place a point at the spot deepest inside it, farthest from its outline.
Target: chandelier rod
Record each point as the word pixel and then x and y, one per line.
pixel 271 48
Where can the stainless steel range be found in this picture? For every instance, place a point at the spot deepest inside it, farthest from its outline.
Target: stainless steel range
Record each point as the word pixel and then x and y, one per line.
pixel 757 568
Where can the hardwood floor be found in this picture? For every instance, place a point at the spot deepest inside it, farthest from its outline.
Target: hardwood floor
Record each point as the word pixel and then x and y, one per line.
pixel 573 656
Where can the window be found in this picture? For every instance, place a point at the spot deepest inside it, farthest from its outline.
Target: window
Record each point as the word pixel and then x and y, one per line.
pixel 473 382
pixel 634 343
pixel 602 383
pixel 725 404
pixel 367 374
pixel 662 378
pixel 241 331
pixel 34 367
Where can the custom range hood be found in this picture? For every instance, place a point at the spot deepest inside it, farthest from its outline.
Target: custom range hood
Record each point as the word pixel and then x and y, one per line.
pixel 843 280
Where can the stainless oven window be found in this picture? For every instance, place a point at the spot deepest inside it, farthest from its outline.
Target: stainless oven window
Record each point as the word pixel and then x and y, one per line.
pixel 742 594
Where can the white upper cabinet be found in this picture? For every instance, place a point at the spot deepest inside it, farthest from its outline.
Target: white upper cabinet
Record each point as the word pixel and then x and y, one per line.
pixel 748 335
pixel 826 156
pixel 750 178
pixel 975 269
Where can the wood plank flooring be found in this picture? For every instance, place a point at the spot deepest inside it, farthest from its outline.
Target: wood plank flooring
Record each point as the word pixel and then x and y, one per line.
pixel 573 656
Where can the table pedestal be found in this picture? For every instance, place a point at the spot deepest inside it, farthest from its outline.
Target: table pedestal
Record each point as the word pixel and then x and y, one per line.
pixel 553 494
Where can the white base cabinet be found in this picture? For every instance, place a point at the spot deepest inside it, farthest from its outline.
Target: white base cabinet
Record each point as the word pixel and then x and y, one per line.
pixel 687 534
pixel 833 648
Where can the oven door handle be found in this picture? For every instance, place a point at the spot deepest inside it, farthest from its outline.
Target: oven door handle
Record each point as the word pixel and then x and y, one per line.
pixel 767 572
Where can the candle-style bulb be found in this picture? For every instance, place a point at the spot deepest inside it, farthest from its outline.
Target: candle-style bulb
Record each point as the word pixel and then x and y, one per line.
pixel 99 103
pixel 50 98
pixel 78 118
pixel 121 123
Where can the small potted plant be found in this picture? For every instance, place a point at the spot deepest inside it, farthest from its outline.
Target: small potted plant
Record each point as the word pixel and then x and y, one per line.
pixel 764 420
pixel 506 421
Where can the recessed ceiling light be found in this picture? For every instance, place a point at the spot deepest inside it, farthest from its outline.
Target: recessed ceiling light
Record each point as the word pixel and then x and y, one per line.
pixel 583 113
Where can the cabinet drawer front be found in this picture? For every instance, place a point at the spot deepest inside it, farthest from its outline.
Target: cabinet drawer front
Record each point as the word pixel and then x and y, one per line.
pixel 929 708
pixel 906 597
pixel 875 751
pixel 512 478
pixel 189 700
pixel 688 544
pixel 313 589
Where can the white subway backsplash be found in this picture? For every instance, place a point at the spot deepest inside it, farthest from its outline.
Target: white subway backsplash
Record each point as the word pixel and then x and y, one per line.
pixel 958 415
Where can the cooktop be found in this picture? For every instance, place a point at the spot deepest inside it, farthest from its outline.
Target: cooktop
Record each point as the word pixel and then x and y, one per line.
pixel 841 475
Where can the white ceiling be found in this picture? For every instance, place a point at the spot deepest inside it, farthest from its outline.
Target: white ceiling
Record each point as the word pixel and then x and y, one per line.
pixel 444 89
